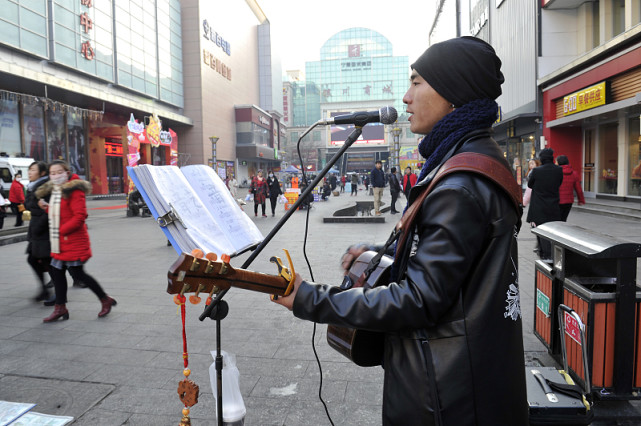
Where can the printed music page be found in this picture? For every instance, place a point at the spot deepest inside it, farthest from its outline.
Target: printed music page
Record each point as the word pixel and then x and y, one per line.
pixel 215 195
pixel 212 220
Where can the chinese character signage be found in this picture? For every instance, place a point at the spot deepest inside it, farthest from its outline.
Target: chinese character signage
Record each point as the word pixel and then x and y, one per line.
pixel 354 50
pixel 588 98
pixel 86 49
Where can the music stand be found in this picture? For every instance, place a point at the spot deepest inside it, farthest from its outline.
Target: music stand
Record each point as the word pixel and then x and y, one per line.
pixel 218 308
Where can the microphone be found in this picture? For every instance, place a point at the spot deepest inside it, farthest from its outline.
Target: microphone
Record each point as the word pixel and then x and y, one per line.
pixel 385 115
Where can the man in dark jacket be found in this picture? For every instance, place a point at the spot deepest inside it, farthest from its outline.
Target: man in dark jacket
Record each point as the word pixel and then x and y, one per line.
pixel 394 189
pixel 378 183
pixel 545 181
pixel 451 317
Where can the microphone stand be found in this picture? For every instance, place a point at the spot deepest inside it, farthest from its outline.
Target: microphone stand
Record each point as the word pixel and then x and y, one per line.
pixel 218 308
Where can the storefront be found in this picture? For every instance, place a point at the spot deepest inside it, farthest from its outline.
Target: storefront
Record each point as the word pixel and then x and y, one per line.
pixel 258 141
pixel 592 116
pixel 517 137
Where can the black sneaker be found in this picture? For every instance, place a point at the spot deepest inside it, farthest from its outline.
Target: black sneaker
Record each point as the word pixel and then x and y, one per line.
pixel 79 284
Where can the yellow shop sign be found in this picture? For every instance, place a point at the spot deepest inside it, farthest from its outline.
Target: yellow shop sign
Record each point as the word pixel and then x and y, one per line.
pixel 587 98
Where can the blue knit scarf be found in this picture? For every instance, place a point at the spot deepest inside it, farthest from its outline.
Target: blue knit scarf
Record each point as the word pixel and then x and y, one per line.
pixel 474 115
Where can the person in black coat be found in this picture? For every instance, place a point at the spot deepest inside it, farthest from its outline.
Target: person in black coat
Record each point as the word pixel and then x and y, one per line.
pixel 39 248
pixel 545 181
pixel 274 190
pixel 394 188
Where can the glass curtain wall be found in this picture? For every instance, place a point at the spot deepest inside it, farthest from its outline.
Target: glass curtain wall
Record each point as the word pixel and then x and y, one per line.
pixel 33 131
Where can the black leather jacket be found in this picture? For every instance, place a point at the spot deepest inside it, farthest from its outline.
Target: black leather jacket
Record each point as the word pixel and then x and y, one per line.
pixel 453 332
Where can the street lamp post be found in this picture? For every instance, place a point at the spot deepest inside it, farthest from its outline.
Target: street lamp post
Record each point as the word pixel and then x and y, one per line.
pixel 396 131
pixel 213 140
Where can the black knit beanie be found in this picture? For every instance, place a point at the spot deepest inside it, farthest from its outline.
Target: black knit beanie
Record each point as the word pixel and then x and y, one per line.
pixel 546 155
pixel 461 70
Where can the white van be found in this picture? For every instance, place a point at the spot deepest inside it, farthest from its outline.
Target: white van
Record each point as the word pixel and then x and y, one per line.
pixel 8 168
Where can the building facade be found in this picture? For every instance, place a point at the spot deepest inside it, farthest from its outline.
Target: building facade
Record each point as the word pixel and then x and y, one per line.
pixel 356 71
pixel 518 129
pixel 79 78
pixel 590 78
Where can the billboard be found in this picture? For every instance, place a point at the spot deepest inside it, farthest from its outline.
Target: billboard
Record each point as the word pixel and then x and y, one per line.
pixel 373 133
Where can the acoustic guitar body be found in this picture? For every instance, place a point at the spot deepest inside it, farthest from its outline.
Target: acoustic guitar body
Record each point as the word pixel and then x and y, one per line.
pixel 364 348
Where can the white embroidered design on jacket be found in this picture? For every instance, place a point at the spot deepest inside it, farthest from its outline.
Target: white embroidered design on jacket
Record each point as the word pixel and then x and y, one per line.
pixel 513 308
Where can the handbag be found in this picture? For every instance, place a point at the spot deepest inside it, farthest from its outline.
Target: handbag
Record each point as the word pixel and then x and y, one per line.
pixel 21 208
pixel 527 196
pixel 26 215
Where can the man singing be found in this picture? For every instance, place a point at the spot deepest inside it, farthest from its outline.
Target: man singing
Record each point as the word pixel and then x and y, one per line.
pixel 453 347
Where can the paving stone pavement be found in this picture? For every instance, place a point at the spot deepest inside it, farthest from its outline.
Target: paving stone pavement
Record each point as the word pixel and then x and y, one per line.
pixel 124 369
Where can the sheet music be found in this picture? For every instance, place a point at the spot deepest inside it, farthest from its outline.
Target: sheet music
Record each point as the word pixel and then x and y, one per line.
pixel 201 227
pixel 213 220
pixel 215 195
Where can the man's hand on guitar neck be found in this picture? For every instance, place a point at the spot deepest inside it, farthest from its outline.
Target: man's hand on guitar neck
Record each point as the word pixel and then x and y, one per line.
pixel 288 301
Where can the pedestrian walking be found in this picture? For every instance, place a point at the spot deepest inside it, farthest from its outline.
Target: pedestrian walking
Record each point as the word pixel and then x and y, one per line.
pixel 232 185
pixel 409 180
pixel 68 236
pixel 394 189
pixel 532 164
pixel 38 247
pixel 545 181
pixel 260 190
pixel 571 184
pixel 450 315
pixel 354 183
pixel 16 198
pixel 378 183
pixel 3 205
pixel 343 182
pixel 274 191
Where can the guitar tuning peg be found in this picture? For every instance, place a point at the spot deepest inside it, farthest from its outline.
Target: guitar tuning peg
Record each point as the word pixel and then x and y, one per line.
pixel 198 253
pixel 194 299
pixel 225 258
pixel 211 256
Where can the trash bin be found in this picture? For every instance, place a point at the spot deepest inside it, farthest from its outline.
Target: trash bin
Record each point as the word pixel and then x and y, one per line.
pixel 598 273
pixel 548 291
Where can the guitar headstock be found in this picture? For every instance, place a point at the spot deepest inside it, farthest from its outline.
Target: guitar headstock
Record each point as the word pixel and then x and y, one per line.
pixel 196 272
pixel 200 273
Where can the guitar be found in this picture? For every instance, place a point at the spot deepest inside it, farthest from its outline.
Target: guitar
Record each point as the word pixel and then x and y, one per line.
pixel 201 273
pixel 363 347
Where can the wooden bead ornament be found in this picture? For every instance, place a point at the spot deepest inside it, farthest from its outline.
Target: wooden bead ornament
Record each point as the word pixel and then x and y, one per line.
pixel 187 389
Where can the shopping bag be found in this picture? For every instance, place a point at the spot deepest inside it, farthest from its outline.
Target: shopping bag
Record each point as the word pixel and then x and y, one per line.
pixel 527 196
pixel 282 199
pixel 248 197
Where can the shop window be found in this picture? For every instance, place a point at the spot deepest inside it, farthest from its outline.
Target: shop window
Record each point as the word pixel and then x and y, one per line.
pixel 608 159
pixel 618 17
pixel 56 135
pixel 9 127
pixel 33 130
pixel 634 144
pixel 76 138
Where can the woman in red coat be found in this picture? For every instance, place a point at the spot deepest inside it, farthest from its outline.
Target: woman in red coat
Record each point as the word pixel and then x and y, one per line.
pixel 70 246
pixel 571 184
pixel 260 190
pixel 16 197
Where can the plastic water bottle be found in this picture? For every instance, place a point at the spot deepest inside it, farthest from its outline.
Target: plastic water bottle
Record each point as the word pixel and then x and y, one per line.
pixel 233 405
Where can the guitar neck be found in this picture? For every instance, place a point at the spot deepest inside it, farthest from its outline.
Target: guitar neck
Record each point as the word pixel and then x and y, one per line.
pixel 204 275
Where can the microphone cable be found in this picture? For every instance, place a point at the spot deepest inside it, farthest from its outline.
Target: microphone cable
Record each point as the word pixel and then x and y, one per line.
pixel 311 275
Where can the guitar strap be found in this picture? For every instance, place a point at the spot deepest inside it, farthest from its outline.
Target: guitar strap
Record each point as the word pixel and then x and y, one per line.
pixel 473 162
